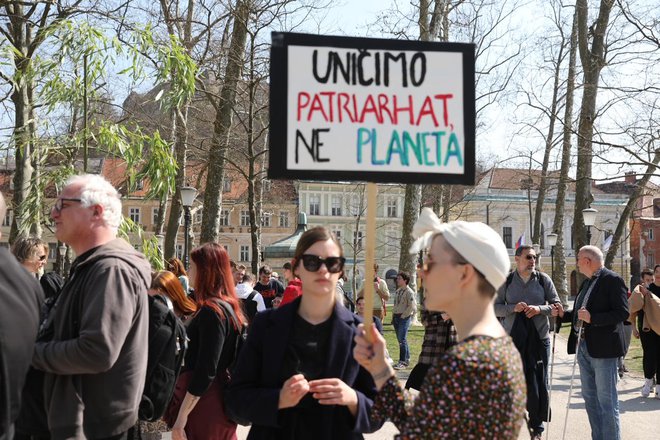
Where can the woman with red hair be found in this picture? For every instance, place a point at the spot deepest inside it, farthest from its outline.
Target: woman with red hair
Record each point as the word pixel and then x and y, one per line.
pixel 166 283
pixel 212 337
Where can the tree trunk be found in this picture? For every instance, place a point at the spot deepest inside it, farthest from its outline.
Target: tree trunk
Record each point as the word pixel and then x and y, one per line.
pixel 180 150
pixel 407 261
pixel 222 126
pixel 592 63
pixel 559 271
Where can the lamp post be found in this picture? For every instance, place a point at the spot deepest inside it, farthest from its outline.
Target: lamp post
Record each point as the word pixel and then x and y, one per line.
pixel 160 240
pixel 552 241
pixel 188 194
pixel 589 216
pixel 61 250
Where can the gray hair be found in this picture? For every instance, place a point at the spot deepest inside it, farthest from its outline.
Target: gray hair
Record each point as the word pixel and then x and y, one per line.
pixel 594 252
pixel 95 190
pixel 27 248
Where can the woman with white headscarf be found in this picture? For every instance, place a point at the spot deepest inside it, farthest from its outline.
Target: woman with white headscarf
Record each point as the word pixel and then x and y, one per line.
pixel 477 388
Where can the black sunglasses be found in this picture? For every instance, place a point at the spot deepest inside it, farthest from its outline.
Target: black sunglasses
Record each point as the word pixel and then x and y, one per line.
pixel 313 263
pixel 532 257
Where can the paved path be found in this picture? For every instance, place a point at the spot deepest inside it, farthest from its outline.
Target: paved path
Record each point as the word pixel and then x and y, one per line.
pixel 640 417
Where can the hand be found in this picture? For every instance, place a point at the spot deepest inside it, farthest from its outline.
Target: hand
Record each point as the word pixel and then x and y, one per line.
pixel 333 392
pixel 584 315
pixel 520 307
pixel 642 288
pixel 292 391
pixel 531 311
pixel 178 433
pixel 557 310
pixel 370 355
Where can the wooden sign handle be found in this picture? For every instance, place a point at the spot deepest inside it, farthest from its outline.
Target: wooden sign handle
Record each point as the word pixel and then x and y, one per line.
pixel 369 297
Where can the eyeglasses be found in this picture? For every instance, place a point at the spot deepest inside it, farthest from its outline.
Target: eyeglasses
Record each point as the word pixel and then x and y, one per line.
pixel 313 263
pixel 42 257
pixel 532 257
pixel 59 206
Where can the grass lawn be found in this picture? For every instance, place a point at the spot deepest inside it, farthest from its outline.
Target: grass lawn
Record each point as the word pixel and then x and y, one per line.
pixel 633 358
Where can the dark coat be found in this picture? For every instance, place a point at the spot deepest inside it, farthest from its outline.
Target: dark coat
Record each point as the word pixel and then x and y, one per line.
pixel 608 306
pixel 253 393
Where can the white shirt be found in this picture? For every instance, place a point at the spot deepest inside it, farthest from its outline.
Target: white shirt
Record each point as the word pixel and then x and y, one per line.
pixel 244 290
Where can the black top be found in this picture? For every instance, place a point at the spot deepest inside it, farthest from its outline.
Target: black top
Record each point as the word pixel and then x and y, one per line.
pixel 207 352
pixel 269 291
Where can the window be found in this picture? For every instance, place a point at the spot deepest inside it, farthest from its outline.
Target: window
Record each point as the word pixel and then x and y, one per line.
pixel 226 247
pixel 284 219
pixel 52 251
pixel 8 217
pixel 179 251
pixel 355 206
pixel 154 216
pixel 245 219
pixel 226 185
pixel 507 237
pixel 245 253
pixel 265 219
pixel 139 185
pixel 266 185
pixel 650 234
pixel 336 206
pixel 650 260
pixel 314 205
pixel 337 234
pixel 134 214
pixel 198 216
pixel 224 217
pixel 392 206
pixel 357 239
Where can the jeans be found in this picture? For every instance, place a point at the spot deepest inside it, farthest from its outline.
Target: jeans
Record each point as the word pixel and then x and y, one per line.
pixel 599 377
pixel 401 326
pixel 536 420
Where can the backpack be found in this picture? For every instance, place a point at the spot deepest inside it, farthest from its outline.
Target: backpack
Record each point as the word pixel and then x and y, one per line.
pixel 249 306
pixel 240 340
pixel 167 348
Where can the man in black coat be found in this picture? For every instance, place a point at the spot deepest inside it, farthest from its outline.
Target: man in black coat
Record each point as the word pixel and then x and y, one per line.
pixel 600 309
pixel 19 322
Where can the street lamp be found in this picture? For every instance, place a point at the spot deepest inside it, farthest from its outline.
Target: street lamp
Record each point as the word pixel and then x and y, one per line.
pixel 589 216
pixel 552 241
pixel 61 249
pixel 188 194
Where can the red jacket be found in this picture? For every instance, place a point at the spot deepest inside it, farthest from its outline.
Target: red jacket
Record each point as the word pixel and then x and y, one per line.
pixel 293 290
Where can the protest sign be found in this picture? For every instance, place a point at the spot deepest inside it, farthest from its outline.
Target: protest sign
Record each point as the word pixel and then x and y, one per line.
pixel 371 110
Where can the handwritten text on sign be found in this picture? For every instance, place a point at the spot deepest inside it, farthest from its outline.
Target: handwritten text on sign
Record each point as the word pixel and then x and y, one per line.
pixel 375 110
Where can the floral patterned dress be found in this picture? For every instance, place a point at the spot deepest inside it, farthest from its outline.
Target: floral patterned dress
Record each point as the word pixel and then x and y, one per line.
pixel 476 390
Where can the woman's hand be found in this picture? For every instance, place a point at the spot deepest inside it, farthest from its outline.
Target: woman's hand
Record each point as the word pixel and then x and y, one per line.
pixel 178 433
pixel 334 392
pixel 371 355
pixel 292 391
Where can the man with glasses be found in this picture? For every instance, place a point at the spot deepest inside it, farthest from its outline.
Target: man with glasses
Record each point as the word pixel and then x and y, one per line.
pixel 268 287
pixel 95 355
pixel 600 309
pixel 525 302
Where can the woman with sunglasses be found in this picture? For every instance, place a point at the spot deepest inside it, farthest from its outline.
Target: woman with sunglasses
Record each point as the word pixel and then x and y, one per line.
pixel 32 253
pixel 477 388
pixel 296 376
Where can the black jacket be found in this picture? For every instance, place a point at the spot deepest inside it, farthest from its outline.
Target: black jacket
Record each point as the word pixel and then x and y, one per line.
pixel 19 323
pixel 608 306
pixel 253 393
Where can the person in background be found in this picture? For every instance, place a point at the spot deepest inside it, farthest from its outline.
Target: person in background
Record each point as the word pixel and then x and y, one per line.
pixel 166 283
pixel 303 383
pixel 600 309
pixel 476 389
pixel 343 295
pixel 269 288
pixel 275 276
pixel 197 411
pixel 405 307
pixel 245 292
pixel 645 317
pixel 19 323
pixel 293 287
pixel 175 266
pixel 359 310
pixel 32 253
pixel 382 292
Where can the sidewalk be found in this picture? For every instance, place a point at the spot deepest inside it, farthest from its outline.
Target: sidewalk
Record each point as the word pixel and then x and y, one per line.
pixel 640 417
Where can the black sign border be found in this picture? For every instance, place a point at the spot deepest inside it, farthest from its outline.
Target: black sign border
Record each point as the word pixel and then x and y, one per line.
pixel 277 168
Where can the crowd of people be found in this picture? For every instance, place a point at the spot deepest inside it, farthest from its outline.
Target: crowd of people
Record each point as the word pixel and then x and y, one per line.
pixel 291 355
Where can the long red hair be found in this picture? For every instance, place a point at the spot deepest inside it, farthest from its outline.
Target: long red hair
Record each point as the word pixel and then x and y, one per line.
pixel 168 283
pixel 214 280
